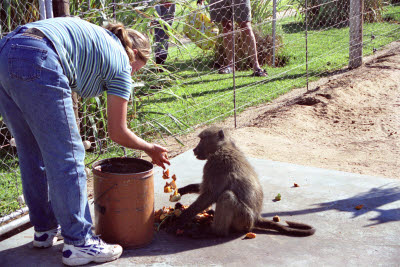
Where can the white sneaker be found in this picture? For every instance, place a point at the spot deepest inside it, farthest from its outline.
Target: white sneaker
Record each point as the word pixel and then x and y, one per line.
pixel 94 249
pixel 47 239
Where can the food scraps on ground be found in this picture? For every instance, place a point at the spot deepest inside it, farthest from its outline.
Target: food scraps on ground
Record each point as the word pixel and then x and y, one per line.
pixel 276 218
pixel 278 197
pixel 250 235
pixel 296 185
pixel 359 207
pixel 167 216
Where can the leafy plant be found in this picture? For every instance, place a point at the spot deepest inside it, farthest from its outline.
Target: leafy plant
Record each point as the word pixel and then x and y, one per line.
pixel 327 13
pixel 17 12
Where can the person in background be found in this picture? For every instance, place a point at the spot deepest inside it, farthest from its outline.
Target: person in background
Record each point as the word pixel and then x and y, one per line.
pixel 223 11
pixel 41 64
pixel 166 11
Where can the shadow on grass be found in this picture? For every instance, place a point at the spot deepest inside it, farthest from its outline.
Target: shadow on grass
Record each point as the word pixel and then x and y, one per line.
pixel 372 201
pixel 258 82
pixel 296 27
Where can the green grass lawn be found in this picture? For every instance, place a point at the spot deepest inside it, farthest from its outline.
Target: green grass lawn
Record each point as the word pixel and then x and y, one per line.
pixel 208 96
pixel 205 96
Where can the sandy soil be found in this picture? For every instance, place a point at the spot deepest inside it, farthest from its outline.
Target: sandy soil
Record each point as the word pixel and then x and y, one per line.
pixel 349 121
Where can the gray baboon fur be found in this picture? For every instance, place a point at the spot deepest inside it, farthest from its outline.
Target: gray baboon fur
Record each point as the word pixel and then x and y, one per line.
pixel 231 182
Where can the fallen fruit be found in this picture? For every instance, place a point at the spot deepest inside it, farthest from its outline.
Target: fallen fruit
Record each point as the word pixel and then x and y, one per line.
pixel 250 235
pixel 296 185
pixel 359 207
pixel 278 197
pixel 177 212
pixel 276 218
pixel 21 199
pixel 199 216
pixel 87 144
pixel 12 142
pixel 163 216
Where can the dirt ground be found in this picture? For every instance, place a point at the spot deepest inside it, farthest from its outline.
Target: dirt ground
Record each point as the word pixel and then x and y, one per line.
pixel 348 121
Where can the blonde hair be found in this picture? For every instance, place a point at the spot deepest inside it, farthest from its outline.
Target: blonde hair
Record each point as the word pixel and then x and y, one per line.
pixel 131 39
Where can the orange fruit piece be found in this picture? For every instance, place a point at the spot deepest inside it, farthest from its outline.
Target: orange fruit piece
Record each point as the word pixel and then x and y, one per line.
pixel 276 218
pixel 250 235
pixel 167 189
pixel 166 174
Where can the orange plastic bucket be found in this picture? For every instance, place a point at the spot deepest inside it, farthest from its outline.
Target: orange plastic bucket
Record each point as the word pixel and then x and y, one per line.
pixel 124 201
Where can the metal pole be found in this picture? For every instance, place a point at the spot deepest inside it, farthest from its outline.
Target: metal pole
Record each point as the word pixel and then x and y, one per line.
pixel 273 32
pixel 307 42
pixel 49 9
pixel 42 10
pixel 234 63
pixel 115 16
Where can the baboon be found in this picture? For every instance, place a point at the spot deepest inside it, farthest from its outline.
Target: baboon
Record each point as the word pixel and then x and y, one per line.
pixel 231 182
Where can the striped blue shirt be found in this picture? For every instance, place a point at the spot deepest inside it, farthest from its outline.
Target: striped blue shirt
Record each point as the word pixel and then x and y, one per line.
pixel 93 59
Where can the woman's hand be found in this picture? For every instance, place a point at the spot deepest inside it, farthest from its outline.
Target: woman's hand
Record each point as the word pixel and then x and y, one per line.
pixel 119 133
pixel 158 154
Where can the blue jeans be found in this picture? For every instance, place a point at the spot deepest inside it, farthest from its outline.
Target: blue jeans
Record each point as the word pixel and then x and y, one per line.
pixel 36 105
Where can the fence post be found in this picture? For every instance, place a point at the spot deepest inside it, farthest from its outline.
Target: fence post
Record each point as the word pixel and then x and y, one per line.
pixel 60 8
pixel 356 32
pixel 234 64
pixel 306 37
pixel 273 31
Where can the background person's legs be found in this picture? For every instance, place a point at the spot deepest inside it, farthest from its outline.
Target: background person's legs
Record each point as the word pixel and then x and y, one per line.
pixel 251 43
pixel 228 42
pixel 160 36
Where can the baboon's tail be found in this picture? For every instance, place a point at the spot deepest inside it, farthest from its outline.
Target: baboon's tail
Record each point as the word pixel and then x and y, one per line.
pixel 293 228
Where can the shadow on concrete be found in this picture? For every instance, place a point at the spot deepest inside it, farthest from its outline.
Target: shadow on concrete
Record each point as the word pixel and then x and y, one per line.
pixel 27 255
pixel 165 244
pixel 373 200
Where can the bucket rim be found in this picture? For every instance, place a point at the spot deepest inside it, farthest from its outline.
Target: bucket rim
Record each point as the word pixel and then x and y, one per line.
pixel 99 162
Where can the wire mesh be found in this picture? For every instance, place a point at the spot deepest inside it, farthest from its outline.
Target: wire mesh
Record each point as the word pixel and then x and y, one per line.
pixel 204 62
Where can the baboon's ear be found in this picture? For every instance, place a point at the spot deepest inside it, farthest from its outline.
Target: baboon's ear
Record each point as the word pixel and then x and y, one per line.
pixel 221 134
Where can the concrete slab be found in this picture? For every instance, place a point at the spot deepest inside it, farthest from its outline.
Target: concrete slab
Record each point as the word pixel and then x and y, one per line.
pixel 325 199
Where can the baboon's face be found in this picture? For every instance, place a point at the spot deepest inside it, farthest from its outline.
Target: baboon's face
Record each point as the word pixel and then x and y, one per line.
pixel 201 150
pixel 209 142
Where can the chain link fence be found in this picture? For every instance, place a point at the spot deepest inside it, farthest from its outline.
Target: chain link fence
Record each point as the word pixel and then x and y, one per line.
pixel 198 74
